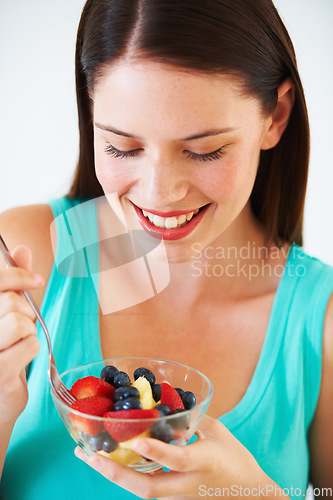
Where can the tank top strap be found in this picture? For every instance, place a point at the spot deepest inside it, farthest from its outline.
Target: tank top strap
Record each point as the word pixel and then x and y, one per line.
pixel 74 232
pixel 70 306
pixel 304 331
pixel 322 283
pixel 60 205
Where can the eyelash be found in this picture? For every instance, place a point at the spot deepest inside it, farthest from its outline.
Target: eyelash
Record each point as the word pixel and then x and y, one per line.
pixel 117 153
pixel 214 155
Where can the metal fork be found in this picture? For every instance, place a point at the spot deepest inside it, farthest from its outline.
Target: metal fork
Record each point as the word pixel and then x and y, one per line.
pixel 54 378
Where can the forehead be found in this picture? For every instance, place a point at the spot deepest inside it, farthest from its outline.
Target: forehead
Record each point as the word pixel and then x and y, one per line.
pixel 150 76
pixel 150 90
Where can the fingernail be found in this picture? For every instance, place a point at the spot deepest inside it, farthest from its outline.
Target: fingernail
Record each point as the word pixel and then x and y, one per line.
pixel 80 453
pixel 95 463
pixel 39 279
pixel 140 446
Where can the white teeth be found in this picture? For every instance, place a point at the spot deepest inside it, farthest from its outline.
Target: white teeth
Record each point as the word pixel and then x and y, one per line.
pixel 158 221
pixel 182 219
pixel 171 222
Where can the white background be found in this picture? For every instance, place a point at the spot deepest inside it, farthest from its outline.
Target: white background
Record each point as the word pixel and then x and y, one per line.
pixel 38 124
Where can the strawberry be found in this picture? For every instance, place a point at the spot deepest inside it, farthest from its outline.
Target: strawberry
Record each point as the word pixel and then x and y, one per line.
pixel 122 431
pixel 91 386
pixel 94 405
pixel 170 397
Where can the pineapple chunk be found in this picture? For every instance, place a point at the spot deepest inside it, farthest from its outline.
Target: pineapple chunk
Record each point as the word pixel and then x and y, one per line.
pixel 128 444
pixel 122 456
pixel 146 396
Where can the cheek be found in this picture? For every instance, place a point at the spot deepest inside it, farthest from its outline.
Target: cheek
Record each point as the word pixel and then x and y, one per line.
pixel 110 174
pixel 232 179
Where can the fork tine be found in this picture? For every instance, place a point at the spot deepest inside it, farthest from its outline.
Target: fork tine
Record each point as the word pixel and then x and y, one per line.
pixel 58 386
pixel 66 392
pixel 65 395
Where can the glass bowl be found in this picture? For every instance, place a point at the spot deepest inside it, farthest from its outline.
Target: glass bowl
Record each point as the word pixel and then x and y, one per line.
pixel 177 428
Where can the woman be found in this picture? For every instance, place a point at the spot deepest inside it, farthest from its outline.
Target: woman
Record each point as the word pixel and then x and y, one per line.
pixel 185 109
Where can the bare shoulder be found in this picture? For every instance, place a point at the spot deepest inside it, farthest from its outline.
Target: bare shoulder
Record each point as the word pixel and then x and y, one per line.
pixel 321 432
pixel 30 226
pixel 27 225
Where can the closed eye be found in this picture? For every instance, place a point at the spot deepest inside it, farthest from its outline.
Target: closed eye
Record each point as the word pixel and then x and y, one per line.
pixel 118 153
pixel 214 155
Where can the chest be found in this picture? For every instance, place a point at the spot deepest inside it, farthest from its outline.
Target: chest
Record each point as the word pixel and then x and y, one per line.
pixel 224 341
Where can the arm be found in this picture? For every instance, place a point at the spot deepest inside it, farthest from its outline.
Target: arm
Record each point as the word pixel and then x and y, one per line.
pixel 30 226
pixel 321 431
pixel 18 345
pixel 5 433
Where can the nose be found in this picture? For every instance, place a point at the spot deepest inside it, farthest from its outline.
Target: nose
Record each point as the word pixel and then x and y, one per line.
pixel 164 183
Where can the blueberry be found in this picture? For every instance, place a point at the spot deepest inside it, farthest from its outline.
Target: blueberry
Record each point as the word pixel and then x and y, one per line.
pixel 162 431
pixel 118 405
pixel 144 372
pixel 132 404
pixel 121 380
pixel 108 373
pixel 163 409
pixel 131 392
pixel 179 390
pixel 156 390
pixel 125 393
pixel 181 422
pixel 179 410
pixel 96 443
pixel 118 394
pixel 189 400
pixel 127 404
pixel 109 444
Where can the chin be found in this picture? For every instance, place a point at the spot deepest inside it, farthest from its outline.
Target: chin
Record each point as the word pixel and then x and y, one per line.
pixel 179 254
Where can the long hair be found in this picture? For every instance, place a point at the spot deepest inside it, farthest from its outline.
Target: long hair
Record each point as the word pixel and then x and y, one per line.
pixel 242 38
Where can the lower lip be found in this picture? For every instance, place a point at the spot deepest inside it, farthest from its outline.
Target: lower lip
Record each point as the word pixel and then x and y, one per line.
pixel 169 234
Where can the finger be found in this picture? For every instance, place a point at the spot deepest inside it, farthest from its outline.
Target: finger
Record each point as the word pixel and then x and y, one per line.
pixel 17 357
pixel 22 256
pixel 211 428
pixel 15 327
pixel 192 457
pixel 13 302
pixel 161 484
pixel 19 279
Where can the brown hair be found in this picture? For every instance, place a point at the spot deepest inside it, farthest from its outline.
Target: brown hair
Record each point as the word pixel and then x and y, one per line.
pixel 243 38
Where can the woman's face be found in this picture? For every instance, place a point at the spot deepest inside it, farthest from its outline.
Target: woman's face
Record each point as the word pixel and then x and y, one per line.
pixel 172 143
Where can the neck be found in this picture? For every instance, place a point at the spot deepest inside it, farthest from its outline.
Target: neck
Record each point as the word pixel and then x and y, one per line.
pixel 236 264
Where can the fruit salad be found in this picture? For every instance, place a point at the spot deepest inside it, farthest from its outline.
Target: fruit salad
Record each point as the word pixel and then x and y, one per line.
pixel 130 409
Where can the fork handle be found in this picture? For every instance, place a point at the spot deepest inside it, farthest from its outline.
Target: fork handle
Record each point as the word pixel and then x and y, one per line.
pixel 11 263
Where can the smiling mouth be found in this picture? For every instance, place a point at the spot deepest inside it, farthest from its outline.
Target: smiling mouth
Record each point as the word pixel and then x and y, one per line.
pixel 174 227
pixel 173 222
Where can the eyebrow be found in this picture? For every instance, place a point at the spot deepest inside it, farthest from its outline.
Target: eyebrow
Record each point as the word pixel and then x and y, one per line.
pixel 206 133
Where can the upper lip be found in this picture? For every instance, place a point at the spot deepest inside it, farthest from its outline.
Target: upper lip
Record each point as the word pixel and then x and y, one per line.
pixel 173 213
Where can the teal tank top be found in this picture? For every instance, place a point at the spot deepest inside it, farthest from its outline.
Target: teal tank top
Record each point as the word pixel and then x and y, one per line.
pixel 271 420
